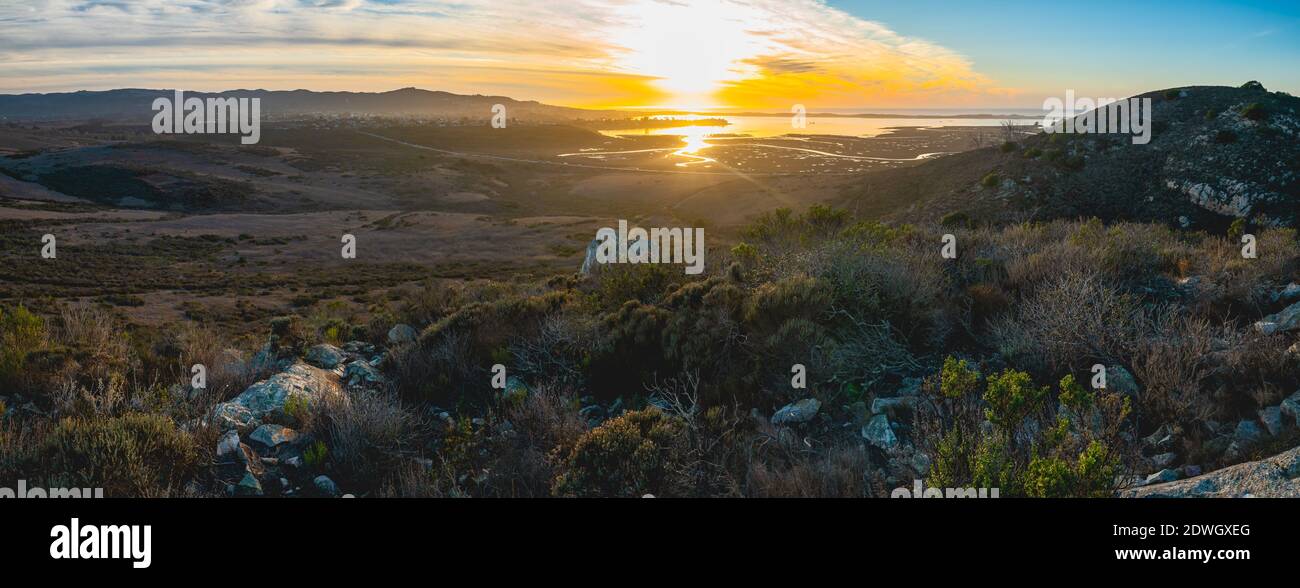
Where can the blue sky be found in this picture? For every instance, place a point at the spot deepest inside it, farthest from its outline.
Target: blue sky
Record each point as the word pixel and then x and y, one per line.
pixel 1106 47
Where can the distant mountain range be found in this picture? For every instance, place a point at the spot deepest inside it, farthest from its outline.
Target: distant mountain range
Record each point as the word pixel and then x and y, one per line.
pixel 136 105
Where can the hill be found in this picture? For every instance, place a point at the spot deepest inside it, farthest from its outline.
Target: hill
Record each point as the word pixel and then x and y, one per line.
pixel 1217 154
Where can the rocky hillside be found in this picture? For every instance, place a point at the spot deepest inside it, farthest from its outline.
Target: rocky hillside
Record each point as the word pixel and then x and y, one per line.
pixel 1216 154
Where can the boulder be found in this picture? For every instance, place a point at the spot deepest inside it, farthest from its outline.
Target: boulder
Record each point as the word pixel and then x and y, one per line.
pixel 273 435
pixel 1274 477
pixel 1120 381
pixel 1162 476
pixel 515 390
pixel 1290 408
pixel 878 432
pixel 228 446
pixel 267 398
pixel 248 486
pixel 797 412
pixel 897 408
pixel 326 486
pixel 1271 416
pixel 1247 432
pixel 1287 319
pixel 362 374
pixel 401 334
pixel 1164 460
pixel 325 356
pixel 1288 294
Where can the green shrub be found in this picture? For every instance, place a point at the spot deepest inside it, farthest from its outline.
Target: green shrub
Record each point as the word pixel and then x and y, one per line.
pixel 1011 396
pixel 21 333
pixel 1009 146
pixel 990 180
pixel 955 219
pixel 1032 153
pixel 627 456
pixel 315 454
pixel 1254 111
pixel 957 379
pixel 135 455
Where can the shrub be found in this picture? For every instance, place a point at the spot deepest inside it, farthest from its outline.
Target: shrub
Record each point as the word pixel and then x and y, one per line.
pixel 21 333
pixel 990 180
pixel 1009 146
pixel 957 379
pixel 1254 111
pixel 627 456
pixel 1172 94
pixel 1011 396
pixel 135 455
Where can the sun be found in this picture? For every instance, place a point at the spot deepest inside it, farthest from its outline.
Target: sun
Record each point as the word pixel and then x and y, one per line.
pixel 689 50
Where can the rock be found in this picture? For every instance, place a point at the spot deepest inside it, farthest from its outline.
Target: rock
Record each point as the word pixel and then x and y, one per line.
pixel 1287 319
pixel 1164 460
pixel 897 408
pixel 1271 416
pixel 1288 294
pixel 1161 439
pixel 1274 477
pixel 248 486
pixel 273 435
pixel 359 348
pixel 326 486
pixel 910 387
pixel 1118 380
pixel 879 433
pixel 1247 432
pixel 515 390
pixel 1191 471
pixel 1290 408
pixel 228 445
pixel 362 374
pixel 267 398
pixel 1162 476
pixel 401 334
pixel 325 356
pixel 797 412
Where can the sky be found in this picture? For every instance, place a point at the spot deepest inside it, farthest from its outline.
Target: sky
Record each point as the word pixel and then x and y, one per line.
pixel 738 54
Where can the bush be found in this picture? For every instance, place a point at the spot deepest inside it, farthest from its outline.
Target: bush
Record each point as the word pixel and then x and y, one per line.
pixel 1009 146
pixel 628 456
pixel 1254 111
pixel 21 333
pixel 135 455
pixel 990 180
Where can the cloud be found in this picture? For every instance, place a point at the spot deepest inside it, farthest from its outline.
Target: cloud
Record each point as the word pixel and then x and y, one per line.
pixel 580 52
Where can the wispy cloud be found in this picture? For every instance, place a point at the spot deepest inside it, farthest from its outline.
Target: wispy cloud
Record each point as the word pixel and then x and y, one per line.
pixel 751 53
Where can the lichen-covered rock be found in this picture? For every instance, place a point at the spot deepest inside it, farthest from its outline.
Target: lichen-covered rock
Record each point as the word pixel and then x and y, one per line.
pixel 797 412
pixel 878 432
pixel 325 356
pixel 274 435
pixel 300 385
pixel 401 334
pixel 1274 477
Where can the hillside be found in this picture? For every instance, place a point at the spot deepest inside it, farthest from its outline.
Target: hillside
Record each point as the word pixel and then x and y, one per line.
pixel 1217 154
